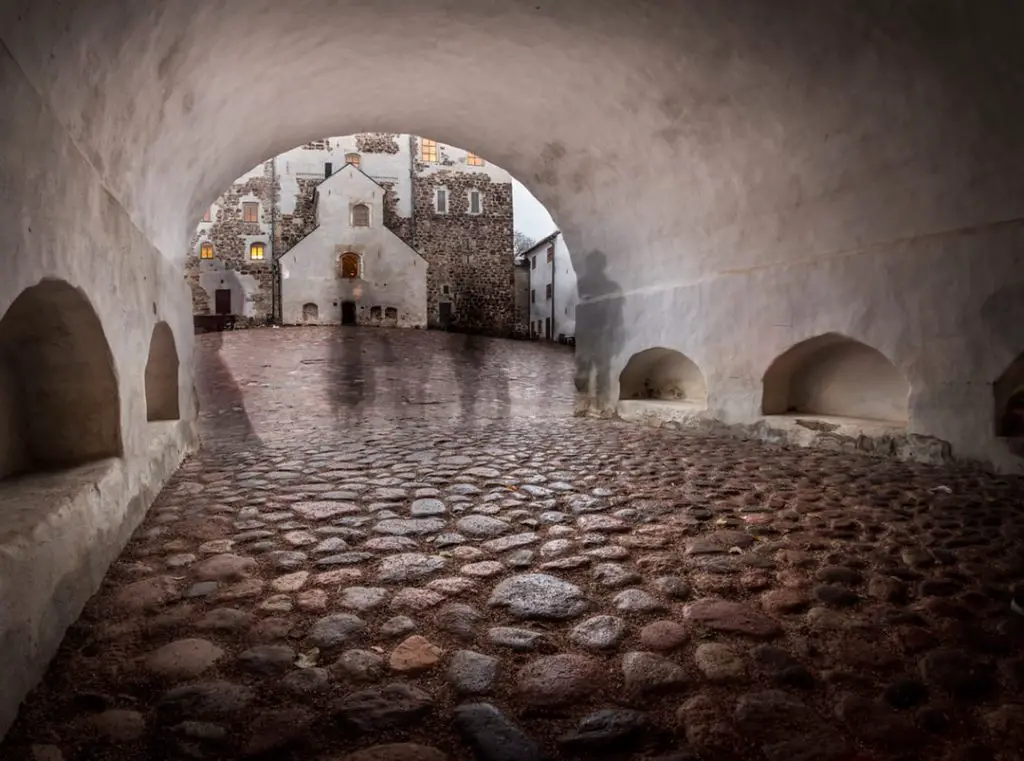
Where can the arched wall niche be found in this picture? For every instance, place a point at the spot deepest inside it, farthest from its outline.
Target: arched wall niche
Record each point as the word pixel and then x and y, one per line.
pixel 834 375
pixel 1008 396
pixel 162 375
pixel 59 402
pixel 662 374
pixel 310 312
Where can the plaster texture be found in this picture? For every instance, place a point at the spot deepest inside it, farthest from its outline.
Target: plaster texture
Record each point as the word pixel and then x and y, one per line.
pixel 732 179
pixel 82 292
pixel 392 277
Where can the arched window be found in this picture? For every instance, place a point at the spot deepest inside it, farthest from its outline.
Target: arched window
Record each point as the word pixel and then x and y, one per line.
pixel 352 158
pixel 256 250
pixel 360 215
pixel 350 266
pixel 206 250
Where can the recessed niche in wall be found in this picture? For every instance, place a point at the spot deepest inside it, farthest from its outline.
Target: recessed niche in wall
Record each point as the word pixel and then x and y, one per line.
pixel 1008 392
pixel 833 375
pixel 662 374
pixel 162 375
pixel 59 403
pixel 311 312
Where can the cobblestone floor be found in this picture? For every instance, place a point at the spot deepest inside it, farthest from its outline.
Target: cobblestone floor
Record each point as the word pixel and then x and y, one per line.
pixel 399 546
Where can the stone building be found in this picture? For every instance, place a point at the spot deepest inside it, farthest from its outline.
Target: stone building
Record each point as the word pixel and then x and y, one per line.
pixel 352 269
pixel 452 207
pixel 552 289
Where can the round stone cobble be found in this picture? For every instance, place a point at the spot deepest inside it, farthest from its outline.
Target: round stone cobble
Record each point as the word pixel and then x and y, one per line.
pixel 405 525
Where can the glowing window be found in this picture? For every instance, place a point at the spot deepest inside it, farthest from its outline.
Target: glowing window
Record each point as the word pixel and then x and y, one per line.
pixel 473 160
pixel 256 251
pixel 206 251
pixel 428 150
pixel 352 158
pixel 360 215
pixel 350 266
pixel 250 212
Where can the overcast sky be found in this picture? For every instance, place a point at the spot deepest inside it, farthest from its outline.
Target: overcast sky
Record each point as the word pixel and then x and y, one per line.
pixel 529 215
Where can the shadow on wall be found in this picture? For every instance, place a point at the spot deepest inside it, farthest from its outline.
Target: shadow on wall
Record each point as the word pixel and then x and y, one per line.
pixel 1008 393
pixel 834 375
pixel 59 400
pixel 162 375
pixel 662 374
pixel 600 312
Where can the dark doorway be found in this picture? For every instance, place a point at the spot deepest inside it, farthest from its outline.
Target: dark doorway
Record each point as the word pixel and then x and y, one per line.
pixel 547 328
pixel 444 309
pixel 348 313
pixel 222 301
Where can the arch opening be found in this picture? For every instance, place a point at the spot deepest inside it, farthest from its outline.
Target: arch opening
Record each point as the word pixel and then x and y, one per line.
pixel 59 402
pixel 310 312
pixel 1008 396
pixel 832 375
pixel 663 375
pixel 162 375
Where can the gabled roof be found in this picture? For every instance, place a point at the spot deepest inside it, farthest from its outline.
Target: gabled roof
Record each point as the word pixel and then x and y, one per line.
pixel 344 166
pixel 542 242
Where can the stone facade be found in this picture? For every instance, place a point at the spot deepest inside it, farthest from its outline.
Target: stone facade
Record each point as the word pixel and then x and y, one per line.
pixel 467 243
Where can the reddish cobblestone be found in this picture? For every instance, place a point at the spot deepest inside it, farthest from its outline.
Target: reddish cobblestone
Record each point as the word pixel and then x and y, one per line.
pixel 362 491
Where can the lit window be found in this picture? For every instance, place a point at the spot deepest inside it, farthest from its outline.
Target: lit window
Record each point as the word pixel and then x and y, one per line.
pixel 441 201
pixel 207 216
pixel 428 150
pixel 360 215
pixel 250 212
pixel 256 250
pixel 551 253
pixel 473 160
pixel 474 202
pixel 206 251
pixel 547 290
pixel 350 266
pixel 352 158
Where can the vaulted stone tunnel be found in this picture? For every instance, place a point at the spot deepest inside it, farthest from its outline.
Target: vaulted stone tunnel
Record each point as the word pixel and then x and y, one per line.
pixel 742 174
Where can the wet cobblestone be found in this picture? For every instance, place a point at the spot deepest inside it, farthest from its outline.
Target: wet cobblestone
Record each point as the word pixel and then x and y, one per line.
pixel 400 545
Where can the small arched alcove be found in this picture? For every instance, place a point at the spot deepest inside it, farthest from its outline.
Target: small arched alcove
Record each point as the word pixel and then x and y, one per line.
pixel 310 312
pixel 162 375
pixel 1008 393
pixel 59 403
pixel 832 375
pixel 662 374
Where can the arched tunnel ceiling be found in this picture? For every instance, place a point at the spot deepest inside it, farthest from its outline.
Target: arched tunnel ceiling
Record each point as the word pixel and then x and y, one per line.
pixel 698 138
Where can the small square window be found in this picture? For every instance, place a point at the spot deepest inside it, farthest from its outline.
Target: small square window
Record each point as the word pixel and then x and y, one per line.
pixel 256 251
pixel 428 150
pixel 250 212
pixel 473 160
pixel 352 158
pixel 206 251
pixel 446 289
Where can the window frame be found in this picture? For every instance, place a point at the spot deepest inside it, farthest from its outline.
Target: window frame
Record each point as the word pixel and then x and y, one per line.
pixel 428 151
pixel 350 256
pixel 533 262
pixel 246 207
pixel 257 244
pixel 369 215
pixel 470 195
pixel 551 253
pixel 473 160
pixel 349 159
pixel 437 197
pixel 204 247
pixel 548 291
pixel 533 295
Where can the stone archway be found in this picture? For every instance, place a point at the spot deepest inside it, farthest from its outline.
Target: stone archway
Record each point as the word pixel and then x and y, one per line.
pixel 59 402
pixel 834 375
pixel 662 374
pixel 162 375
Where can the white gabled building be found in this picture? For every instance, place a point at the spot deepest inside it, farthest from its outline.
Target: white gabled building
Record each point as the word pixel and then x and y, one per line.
pixel 553 291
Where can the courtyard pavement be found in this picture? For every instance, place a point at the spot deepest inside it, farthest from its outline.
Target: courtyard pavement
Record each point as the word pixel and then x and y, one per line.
pixel 401 546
